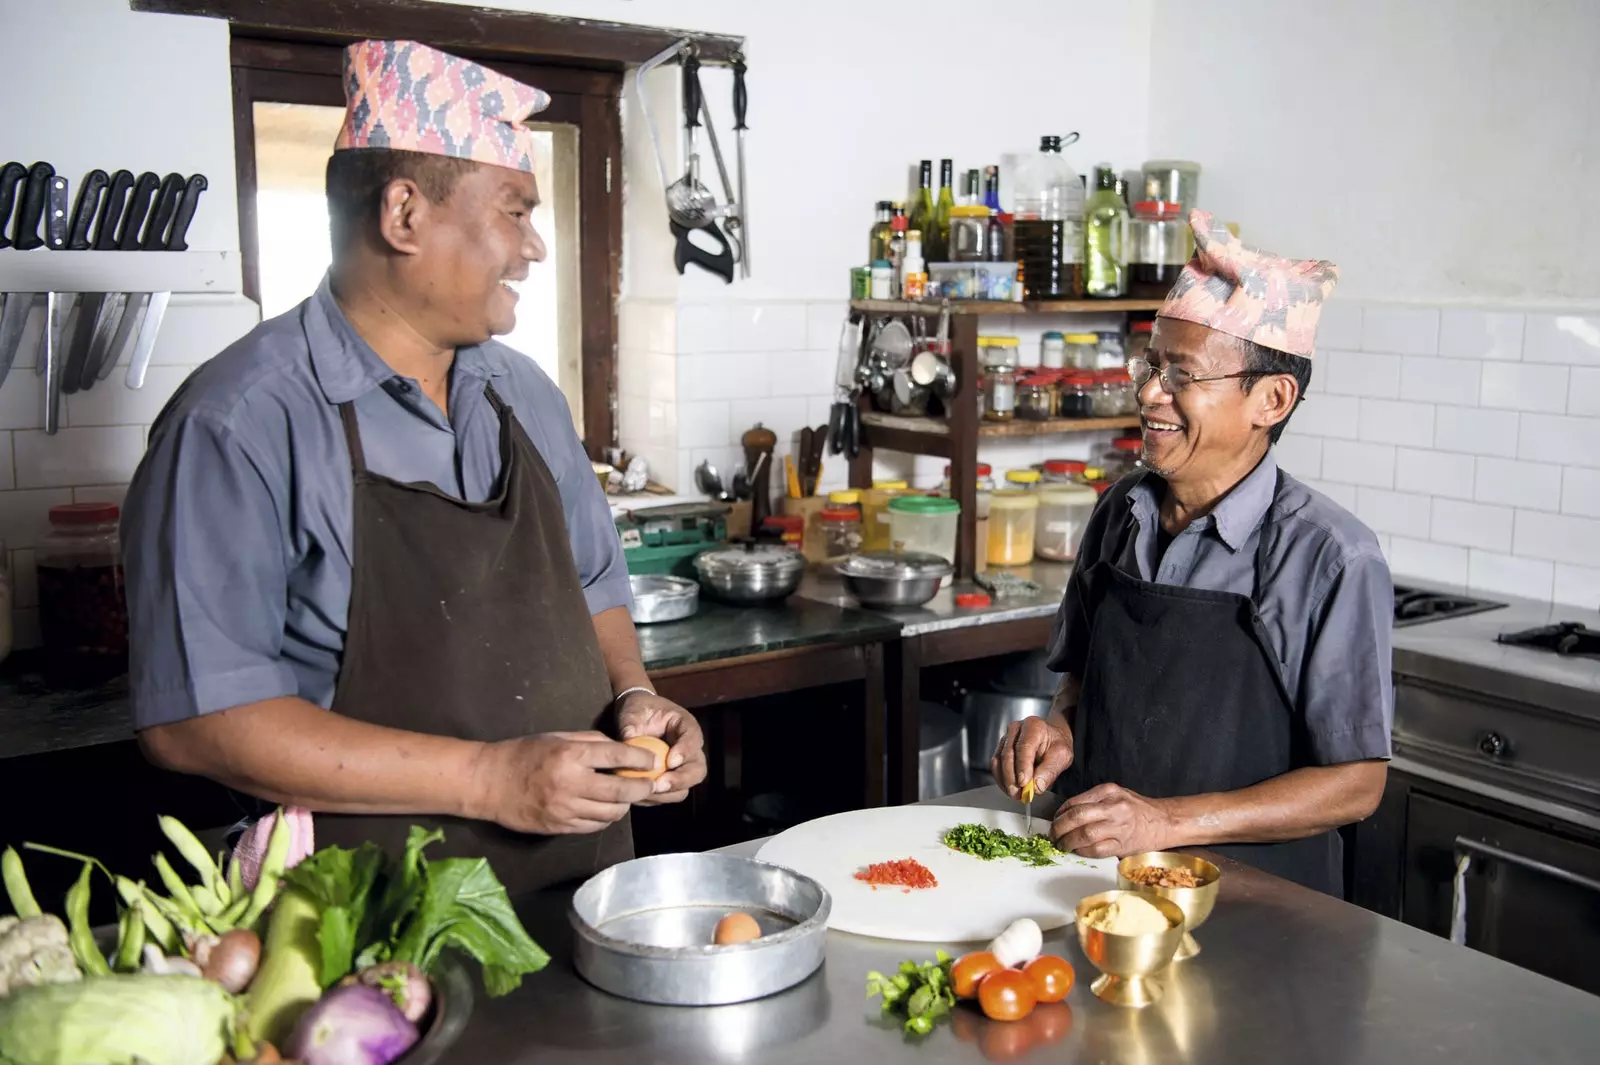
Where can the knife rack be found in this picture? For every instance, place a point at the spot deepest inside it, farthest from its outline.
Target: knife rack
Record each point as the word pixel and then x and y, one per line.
pixel 177 272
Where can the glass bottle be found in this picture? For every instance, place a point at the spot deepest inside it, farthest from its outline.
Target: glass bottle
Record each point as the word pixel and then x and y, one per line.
pixel 991 188
pixel 972 188
pixel 1105 224
pixel 897 250
pixel 938 240
pixel 922 209
pixel 878 238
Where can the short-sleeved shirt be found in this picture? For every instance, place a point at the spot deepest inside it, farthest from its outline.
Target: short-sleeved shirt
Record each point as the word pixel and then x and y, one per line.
pixel 1326 598
pixel 238 525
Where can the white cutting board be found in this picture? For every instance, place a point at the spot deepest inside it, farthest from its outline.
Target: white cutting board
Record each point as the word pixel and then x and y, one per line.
pixel 975 899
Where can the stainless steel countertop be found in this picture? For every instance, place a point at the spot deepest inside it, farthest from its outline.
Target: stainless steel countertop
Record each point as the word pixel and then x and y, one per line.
pixel 941 613
pixel 1286 975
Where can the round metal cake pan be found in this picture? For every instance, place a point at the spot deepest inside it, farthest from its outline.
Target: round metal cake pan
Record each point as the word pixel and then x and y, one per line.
pixel 644 929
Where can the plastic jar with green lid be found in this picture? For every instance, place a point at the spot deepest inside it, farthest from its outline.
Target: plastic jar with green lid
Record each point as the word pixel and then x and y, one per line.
pixel 924 524
pixel 1012 516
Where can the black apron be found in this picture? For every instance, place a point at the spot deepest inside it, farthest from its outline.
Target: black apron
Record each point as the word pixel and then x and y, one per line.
pixel 469 620
pixel 1182 694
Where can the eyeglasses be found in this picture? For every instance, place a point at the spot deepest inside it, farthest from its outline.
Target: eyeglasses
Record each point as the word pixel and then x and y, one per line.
pixel 1174 379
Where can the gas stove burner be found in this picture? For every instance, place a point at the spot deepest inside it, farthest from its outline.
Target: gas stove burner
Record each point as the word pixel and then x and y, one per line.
pixel 1417 606
pixel 1564 638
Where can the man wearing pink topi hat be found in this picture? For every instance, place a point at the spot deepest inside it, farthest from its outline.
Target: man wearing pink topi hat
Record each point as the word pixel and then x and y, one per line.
pixel 1224 642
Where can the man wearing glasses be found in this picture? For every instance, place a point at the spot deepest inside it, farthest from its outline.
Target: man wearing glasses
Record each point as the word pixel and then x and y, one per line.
pixel 1224 642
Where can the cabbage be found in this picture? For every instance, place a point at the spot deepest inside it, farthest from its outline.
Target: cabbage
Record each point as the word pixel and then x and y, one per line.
pixel 114 1020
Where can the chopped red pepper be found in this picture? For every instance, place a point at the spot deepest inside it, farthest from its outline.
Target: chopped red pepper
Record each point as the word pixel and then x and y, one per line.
pixel 904 872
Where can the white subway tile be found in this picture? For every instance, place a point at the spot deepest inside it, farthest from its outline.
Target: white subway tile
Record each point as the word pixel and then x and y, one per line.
pixel 1472 524
pixel 802 373
pixel 632 371
pixel 1323 414
pixel 768 326
pixel 1385 421
pixel 1342 494
pixel 78 456
pixel 824 322
pixel 1351 463
pixel 1465 334
pixel 1475 432
pixel 722 376
pixel 22 400
pixel 24 581
pixel 1584 395
pixel 101 493
pixel 1400 330
pixel 633 421
pixel 1508 575
pixel 1430 380
pixel 1360 373
pixel 1573 339
pixel 704 423
pixel 198 326
pixel 1340 326
pixel 1580 492
pixel 1557 439
pixel 785 417
pixel 1514 386
pixel 1535 485
pixel 1438 473
pixel 704 327
pixel 8 467
pixel 110 402
pixel 1577 586
pixel 819 409
pixel 1429 561
pixel 1557 537
pixel 24 515
pixel 1300 455
pixel 1398 513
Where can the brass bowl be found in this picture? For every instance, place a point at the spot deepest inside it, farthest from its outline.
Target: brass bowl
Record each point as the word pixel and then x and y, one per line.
pixel 1195 902
pixel 1126 963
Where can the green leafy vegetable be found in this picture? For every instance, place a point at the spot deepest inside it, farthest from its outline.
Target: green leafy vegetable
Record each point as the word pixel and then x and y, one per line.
pixel 992 843
pixel 340 882
pixel 921 992
pixel 464 906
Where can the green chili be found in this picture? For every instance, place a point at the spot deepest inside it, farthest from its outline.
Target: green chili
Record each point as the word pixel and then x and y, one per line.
pixel 155 921
pixel 22 900
pixel 179 891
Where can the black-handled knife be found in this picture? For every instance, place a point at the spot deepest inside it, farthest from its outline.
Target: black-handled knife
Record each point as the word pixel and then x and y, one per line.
pixel 186 205
pixel 89 191
pixel 111 208
pixel 161 212
pixel 691 90
pixel 35 194
pixel 144 190
pixel 11 176
pixel 56 219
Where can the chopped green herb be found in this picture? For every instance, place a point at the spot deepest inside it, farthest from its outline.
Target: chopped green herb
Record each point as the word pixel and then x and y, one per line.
pixel 992 843
pixel 922 992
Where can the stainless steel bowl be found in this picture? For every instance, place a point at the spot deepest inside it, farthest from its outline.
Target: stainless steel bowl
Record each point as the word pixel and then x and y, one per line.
pixel 752 573
pixel 658 597
pixel 893 578
pixel 644 929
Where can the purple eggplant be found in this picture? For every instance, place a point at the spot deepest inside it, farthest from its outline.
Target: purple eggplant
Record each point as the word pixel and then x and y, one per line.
pixel 351 1026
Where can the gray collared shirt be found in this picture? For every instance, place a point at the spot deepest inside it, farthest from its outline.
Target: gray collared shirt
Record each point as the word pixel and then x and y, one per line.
pixel 237 529
pixel 1326 599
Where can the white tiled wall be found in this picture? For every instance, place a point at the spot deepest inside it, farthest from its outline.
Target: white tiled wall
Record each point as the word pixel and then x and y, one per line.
pixel 1468 441
pixel 102 435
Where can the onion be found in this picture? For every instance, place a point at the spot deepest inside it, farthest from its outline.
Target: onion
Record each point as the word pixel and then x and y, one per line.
pixel 402 981
pixel 232 959
pixel 351 1026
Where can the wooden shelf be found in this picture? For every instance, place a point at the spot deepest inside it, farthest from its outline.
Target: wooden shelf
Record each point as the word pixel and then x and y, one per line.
pixel 1055 426
pixel 1007 307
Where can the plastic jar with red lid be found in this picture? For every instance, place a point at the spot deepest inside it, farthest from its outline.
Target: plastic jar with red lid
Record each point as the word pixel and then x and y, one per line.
pixel 83 608
pixel 841 532
pixel 791 527
pixel 1120 456
pixel 1064 471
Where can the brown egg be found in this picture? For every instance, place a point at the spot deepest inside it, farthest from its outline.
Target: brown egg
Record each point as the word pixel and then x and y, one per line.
pixel 656 746
pixel 737 928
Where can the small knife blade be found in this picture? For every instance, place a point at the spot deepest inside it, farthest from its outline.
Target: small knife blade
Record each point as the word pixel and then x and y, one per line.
pixel 132 317
pixel 80 338
pixel 144 191
pixel 111 208
pixel 177 241
pixel 1027 808
pixel 89 192
pixel 58 319
pixel 106 329
pixel 11 175
pixel 13 323
pixel 147 338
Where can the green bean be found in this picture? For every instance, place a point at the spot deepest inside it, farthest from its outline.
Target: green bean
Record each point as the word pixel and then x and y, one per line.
pixel 224 886
pixel 79 934
pixel 194 852
pixel 236 880
pixel 22 900
pixel 130 938
pixel 179 891
pixel 208 902
pixel 184 927
pixel 155 921
pixel 228 919
pixel 272 868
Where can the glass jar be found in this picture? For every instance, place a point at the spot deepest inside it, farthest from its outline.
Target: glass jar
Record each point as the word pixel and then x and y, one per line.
pixel 1108 353
pixel 83 611
pixel 1053 351
pixel 1120 456
pixel 1076 395
pixel 1063 471
pixel 1000 351
pixel 969 233
pixel 1036 397
pixel 841 532
pixel 1104 400
pixel 1139 339
pixel 1158 243
pixel 924 524
pixel 790 528
pixel 875 513
pixel 985 478
pixel 1023 480
pixel 840 498
pixel 1063 512
pixel 999 393
pixel 1081 349
pixel 1012 516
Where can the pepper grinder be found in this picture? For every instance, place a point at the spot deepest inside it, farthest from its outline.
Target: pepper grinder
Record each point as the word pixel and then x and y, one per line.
pixel 758 444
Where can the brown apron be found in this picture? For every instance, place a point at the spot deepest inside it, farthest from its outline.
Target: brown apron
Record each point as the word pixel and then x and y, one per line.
pixel 468 620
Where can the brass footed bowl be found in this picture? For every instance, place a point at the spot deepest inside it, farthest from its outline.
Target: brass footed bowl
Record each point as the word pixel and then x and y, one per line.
pixel 1126 963
pixel 1195 902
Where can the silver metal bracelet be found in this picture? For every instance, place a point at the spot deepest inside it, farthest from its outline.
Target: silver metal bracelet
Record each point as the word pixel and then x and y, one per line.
pixel 624 693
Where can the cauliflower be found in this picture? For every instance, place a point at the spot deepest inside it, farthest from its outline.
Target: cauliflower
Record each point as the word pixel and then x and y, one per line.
pixel 35 950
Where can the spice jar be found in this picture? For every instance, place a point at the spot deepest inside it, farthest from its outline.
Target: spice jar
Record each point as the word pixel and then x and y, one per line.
pixel 1108 353
pixel 845 497
pixel 1105 400
pixel 1012 515
pixel 969 232
pixel 875 513
pixel 83 612
pixel 1075 395
pixel 841 532
pixel 1063 512
pixel 1081 348
pixel 1053 351
pixel 1119 456
pixel 1139 339
pixel 1063 471
pixel 1036 396
pixel 1000 351
pixel 985 478
pixel 1158 243
pixel 790 528
pixel 999 393
pixel 1023 480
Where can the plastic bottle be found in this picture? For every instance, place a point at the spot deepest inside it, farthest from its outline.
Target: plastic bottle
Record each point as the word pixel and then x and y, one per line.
pixel 1049 223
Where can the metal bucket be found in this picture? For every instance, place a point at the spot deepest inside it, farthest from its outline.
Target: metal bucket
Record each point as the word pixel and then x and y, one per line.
pixel 987 715
pixel 942 752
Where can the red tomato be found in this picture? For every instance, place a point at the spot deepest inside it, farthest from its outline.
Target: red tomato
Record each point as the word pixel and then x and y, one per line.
pixel 1050 976
pixel 969 970
pixel 1050 1022
pixel 1006 995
